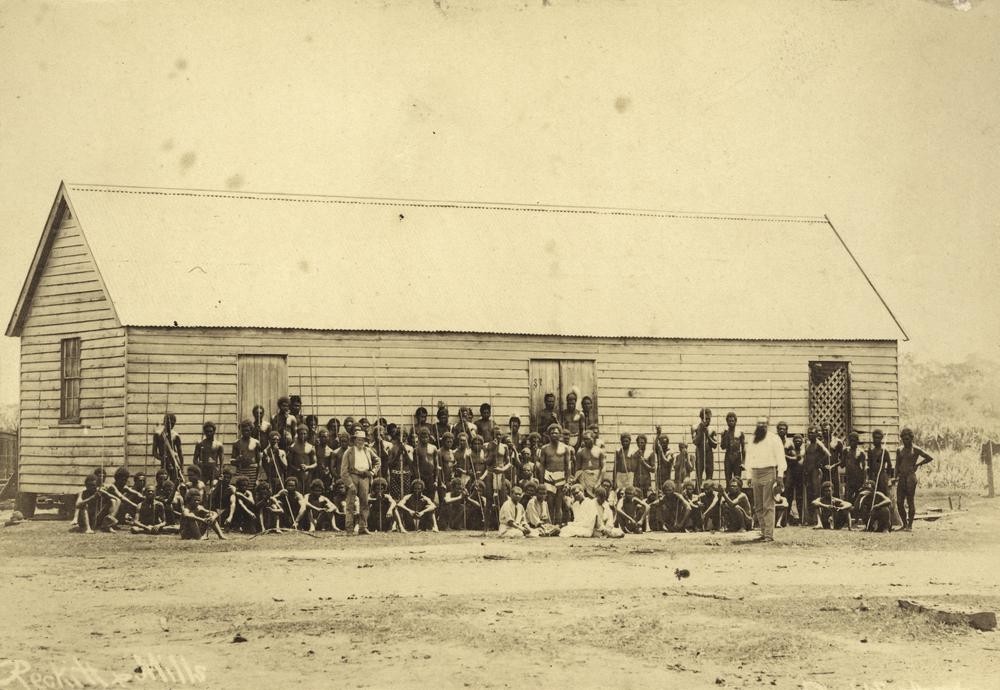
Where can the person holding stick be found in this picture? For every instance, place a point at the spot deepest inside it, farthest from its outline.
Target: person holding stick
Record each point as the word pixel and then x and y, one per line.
pixel 908 459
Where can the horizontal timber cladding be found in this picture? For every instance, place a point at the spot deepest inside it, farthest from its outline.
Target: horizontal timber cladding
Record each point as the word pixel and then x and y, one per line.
pixel 639 382
pixel 69 302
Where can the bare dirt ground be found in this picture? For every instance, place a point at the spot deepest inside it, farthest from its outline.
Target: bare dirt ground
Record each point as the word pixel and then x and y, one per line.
pixel 812 610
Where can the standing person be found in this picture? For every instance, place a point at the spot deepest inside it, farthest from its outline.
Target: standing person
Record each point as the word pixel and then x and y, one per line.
pixel 734 446
pixel 443 424
pixel 333 429
pixel 261 426
pixel 446 461
pixel 246 452
pixel 793 478
pixel 683 466
pixel 763 457
pixel 548 416
pixel 645 467
pixel 426 461
pixel 590 465
pixel 624 474
pixel 301 457
pixel 514 431
pixel 420 422
pixel 463 460
pixel 908 458
pixel 814 457
pixel 284 422
pixel 209 453
pixel 337 455
pixel 464 424
pixel 881 471
pixel 167 448
pixel 587 409
pixel 486 429
pixel 831 469
pixel 853 459
pixel 324 455
pixel 555 470
pixel 572 420
pixel 705 442
pixel 359 466
pixel 663 459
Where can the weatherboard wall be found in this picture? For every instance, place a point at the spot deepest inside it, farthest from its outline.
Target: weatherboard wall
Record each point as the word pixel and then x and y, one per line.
pixel 193 372
pixel 69 301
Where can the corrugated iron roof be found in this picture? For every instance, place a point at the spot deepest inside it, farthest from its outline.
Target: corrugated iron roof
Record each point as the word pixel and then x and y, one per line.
pixel 231 259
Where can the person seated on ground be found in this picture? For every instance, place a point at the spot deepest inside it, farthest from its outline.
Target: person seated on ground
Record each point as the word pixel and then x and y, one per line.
pixel 267 506
pixel 241 515
pixel 513 523
pixel 834 513
pixel 87 504
pixel 476 509
pixel 416 511
pixel 193 482
pixel 220 497
pixel 736 512
pixel 151 516
pixel 453 507
pixel 606 516
pixel 196 519
pixel 780 507
pixel 536 513
pixel 872 509
pixel 710 506
pixel 587 515
pixel 316 511
pixel 654 515
pixel 291 502
pixel 381 507
pixel 631 512
pixel 693 500
pixel 119 491
pixel 609 486
pixel 673 508
pixel 166 495
pixel 339 498
pixel 137 490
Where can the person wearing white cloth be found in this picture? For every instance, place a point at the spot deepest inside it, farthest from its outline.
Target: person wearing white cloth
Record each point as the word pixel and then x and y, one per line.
pixel 586 516
pixel 512 521
pixel 764 454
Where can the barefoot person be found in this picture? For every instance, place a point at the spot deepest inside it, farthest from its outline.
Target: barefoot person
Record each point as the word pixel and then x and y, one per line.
pixel 151 516
pixel 764 455
pixel 513 523
pixel 196 519
pixel 908 458
pixel 834 512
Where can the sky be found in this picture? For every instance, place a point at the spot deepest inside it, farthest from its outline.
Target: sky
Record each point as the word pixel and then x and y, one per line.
pixel 883 115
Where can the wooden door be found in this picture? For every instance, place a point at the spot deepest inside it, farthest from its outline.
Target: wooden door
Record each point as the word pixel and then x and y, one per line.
pixel 261 379
pixel 543 377
pixel 830 396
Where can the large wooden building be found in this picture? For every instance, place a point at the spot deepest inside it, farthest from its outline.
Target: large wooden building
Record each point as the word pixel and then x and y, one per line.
pixel 204 303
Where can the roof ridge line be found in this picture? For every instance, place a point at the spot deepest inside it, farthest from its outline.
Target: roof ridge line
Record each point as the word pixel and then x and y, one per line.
pixel 432 203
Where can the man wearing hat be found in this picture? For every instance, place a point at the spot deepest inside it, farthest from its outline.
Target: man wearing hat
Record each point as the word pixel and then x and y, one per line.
pixel 358 466
pixel 764 454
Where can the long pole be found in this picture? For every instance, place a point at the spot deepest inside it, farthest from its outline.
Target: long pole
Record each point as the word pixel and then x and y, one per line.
pixel 148 428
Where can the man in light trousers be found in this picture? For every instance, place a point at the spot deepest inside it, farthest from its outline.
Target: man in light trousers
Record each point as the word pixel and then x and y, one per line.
pixel 764 455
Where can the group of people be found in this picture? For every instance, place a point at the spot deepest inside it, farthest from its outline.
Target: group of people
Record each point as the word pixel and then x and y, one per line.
pixel 358 476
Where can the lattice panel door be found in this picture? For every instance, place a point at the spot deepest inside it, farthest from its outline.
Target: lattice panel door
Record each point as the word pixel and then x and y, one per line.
pixel 830 396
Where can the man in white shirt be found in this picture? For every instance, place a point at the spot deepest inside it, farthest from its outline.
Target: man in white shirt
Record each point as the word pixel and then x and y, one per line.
pixel 764 454
pixel 512 520
pixel 587 516
pixel 358 466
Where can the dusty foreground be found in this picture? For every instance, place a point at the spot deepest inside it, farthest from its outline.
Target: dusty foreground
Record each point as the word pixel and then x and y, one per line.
pixel 813 610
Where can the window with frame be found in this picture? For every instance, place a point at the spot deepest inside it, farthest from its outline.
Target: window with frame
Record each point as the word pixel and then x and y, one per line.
pixel 69 381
